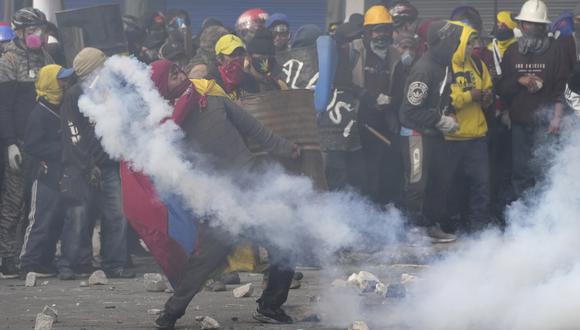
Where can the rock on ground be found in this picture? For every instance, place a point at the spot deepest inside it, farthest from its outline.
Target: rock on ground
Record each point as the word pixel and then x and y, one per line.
pixel 98 278
pixel 244 291
pixel 207 323
pixel 43 322
pixel 50 311
pixel 30 280
pixel 154 282
pixel 358 325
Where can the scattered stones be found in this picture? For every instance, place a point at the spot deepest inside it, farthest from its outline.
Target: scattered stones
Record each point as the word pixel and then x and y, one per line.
pixel 296 284
pixel 207 323
pixel 30 280
pixel 154 311
pixel 244 291
pixel 98 278
pixel 44 283
pixel 84 284
pixel 154 282
pixel 43 322
pixel 364 281
pixel 358 325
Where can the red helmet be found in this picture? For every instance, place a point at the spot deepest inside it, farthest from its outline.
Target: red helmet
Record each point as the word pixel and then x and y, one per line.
pixel 403 11
pixel 251 20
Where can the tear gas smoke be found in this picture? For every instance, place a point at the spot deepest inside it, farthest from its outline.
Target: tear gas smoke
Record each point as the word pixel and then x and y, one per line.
pixel 525 278
pixel 285 210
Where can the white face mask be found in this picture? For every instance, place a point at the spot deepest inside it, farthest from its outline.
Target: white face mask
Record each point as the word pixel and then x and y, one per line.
pixel 518 33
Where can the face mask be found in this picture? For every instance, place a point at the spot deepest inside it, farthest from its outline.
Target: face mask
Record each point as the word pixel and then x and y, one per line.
pixel 504 34
pixel 261 65
pixel 232 74
pixel 534 31
pixel 34 41
pixel 381 42
pixel 407 58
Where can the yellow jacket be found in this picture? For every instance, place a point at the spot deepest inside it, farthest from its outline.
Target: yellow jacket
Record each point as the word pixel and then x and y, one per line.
pixel 467 76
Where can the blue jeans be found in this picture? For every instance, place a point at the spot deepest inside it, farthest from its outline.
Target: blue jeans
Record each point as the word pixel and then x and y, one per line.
pixel 106 204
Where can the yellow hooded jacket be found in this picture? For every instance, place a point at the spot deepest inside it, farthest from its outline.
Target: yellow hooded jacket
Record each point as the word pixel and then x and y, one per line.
pixel 47 85
pixel 467 76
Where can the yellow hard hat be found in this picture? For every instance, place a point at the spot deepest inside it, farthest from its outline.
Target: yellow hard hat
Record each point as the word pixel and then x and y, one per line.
pixel 505 17
pixel 227 44
pixel 378 14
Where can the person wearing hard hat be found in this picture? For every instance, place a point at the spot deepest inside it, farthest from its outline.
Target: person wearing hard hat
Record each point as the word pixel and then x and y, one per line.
pixel 376 70
pixel 534 73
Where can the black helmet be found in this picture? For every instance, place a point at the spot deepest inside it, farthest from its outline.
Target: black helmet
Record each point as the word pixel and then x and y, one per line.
pixel 402 12
pixel 29 16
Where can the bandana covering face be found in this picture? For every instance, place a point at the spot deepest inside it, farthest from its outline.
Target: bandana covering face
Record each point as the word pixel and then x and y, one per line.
pixel 232 74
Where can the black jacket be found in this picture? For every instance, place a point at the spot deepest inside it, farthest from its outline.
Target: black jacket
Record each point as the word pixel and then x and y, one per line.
pixel 42 141
pixel 81 147
pixel 422 101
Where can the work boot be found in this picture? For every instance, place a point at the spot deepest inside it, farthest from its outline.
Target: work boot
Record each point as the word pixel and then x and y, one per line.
pixel 8 268
pixel 438 235
pixel 166 321
pixel 272 316
pixel 66 275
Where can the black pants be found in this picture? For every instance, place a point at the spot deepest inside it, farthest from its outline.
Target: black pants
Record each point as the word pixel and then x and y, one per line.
pixel 383 169
pixel 525 170
pixel 213 250
pixel 468 163
pixel 424 174
pixel 46 218
pixel 344 169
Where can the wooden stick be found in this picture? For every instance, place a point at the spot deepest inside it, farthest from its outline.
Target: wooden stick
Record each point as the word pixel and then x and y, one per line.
pixel 378 135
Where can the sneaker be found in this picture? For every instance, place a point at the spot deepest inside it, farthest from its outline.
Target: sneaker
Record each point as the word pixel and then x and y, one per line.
pixel 272 316
pixel 66 275
pixel 8 269
pixel 215 286
pixel 166 321
pixel 439 236
pixel 230 278
pixel 120 273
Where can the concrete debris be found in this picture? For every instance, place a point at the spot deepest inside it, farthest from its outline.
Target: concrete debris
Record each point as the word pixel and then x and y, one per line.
pixel 381 289
pixel 358 325
pixel 366 282
pixel 207 323
pixel 154 311
pixel 30 280
pixel 50 311
pixel 43 322
pixel 84 284
pixel 296 284
pixel 98 278
pixel 244 291
pixel 154 282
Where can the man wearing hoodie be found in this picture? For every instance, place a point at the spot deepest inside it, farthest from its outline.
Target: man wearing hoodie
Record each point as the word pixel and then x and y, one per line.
pixel 19 66
pixel 534 73
pixel 425 116
pixel 91 181
pixel 467 157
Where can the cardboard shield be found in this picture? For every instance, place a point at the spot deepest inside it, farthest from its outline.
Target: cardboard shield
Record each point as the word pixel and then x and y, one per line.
pixel 290 114
pixel 299 67
pixel 100 27
pixel 339 128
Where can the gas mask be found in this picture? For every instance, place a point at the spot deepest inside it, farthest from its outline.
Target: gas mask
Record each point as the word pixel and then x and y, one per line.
pixel 34 40
pixel 381 41
pixel 503 34
pixel 534 39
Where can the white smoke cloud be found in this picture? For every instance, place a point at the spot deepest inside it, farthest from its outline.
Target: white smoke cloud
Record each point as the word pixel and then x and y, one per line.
pixel 127 111
pixel 525 278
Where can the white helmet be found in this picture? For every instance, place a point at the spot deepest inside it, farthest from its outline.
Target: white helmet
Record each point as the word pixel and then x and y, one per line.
pixel 534 11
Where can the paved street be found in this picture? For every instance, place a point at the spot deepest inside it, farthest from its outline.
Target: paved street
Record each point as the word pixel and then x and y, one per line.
pixel 123 304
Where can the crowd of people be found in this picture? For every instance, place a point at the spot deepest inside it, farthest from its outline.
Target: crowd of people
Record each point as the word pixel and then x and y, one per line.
pixel 429 114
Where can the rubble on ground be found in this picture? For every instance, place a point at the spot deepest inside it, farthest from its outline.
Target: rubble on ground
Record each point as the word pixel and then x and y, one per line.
pixel 358 325
pixel 154 282
pixel 46 318
pixel 30 280
pixel 207 323
pixel 154 311
pixel 244 291
pixel 98 278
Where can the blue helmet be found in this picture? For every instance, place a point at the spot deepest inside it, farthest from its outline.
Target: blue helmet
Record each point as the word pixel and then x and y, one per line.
pixel 6 33
pixel 277 18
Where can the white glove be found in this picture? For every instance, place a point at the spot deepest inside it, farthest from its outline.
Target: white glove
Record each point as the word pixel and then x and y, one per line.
pixel 506 120
pixel 383 99
pixel 447 125
pixel 14 157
